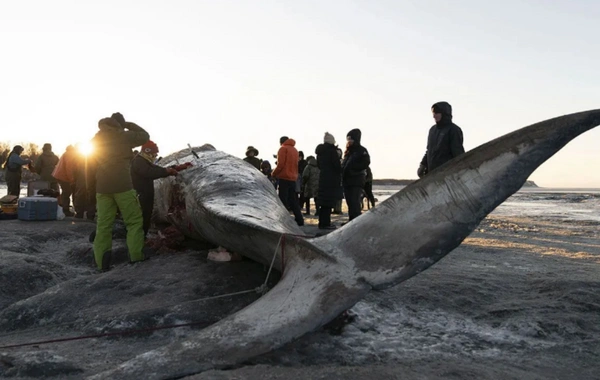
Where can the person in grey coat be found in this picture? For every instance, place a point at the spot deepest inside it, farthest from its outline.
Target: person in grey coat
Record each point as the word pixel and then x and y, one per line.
pixel 310 181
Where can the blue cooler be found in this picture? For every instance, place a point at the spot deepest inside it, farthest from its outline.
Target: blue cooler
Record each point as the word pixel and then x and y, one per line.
pixel 37 208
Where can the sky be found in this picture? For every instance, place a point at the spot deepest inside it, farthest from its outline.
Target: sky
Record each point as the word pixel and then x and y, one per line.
pixel 235 73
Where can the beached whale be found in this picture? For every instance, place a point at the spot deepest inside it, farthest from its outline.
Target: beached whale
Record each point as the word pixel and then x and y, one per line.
pixel 229 203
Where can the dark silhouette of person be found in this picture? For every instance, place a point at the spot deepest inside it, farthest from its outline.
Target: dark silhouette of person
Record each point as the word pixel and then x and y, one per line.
pixel 444 142
pixel 354 172
pixel 330 179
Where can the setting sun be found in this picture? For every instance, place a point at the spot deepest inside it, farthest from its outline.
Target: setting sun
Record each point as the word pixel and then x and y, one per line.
pixel 85 148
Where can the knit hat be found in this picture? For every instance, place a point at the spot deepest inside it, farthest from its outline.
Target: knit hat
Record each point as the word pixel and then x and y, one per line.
pixel 251 149
pixel 150 147
pixel 329 138
pixel 355 135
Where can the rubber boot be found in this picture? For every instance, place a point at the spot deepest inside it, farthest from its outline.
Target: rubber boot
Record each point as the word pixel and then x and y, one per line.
pixel 106 260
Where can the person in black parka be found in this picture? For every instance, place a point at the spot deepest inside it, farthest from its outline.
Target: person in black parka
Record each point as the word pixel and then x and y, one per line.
pixel 330 179
pixel 354 172
pixel 444 142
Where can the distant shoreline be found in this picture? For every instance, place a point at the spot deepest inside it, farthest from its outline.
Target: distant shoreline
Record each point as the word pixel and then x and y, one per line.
pixel 406 182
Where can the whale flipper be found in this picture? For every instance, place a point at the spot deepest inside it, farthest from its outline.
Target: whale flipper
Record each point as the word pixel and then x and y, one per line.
pixel 429 218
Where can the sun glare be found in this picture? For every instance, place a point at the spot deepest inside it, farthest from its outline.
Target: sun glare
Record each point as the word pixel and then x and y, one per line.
pixel 85 148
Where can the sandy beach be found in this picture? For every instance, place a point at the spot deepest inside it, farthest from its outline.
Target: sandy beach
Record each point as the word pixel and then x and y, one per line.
pixel 519 299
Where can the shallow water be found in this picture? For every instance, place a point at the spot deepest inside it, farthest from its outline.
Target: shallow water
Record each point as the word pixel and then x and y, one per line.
pixel 559 203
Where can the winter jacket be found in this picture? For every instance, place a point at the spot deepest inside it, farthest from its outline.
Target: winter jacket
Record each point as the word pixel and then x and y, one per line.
pixel 143 174
pixel 112 153
pixel 287 161
pixel 254 161
pixel 65 168
pixel 445 141
pixel 45 165
pixel 15 163
pixel 330 175
pixel 310 178
pixel 356 161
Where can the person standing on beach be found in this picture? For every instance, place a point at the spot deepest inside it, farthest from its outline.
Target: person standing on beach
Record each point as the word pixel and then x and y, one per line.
pixel 330 189
pixel 143 173
pixel 299 182
pixel 286 172
pixel 369 187
pixel 354 172
pixel 45 165
pixel 64 173
pixel 114 188
pixel 310 184
pixel 14 167
pixel 252 157
pixel 444 142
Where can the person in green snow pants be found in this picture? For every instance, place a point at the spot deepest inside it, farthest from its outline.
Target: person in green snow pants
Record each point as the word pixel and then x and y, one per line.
pixel 114 189
pixel 107 205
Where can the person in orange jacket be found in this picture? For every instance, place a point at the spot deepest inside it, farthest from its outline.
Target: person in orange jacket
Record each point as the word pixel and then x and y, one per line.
pixel 287 174
pixel 64 173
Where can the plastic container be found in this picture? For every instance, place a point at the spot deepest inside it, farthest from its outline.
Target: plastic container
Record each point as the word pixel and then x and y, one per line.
pixel 37 208
pixel 34 186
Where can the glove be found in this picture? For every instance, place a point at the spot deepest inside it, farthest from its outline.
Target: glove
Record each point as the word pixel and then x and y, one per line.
pixel 182 166
pixel 421 171
pixel 171 171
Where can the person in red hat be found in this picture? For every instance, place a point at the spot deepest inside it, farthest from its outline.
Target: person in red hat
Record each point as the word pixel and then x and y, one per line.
pixel 143 173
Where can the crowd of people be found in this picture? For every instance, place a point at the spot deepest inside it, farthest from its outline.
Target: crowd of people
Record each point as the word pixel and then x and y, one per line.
pixel 334 174
pixel 116 180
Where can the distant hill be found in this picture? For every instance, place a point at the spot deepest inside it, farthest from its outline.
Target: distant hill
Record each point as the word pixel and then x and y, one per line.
pixel 393 182
pixel 405 182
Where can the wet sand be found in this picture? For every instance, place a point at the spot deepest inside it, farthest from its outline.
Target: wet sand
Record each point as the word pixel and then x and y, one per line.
pixel 519 299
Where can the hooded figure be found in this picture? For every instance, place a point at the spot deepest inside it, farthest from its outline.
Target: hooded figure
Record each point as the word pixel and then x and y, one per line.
pixel 251 157
pixel 330 179
pixel 354 172
pixel 444 142
pixel 45 165
pixel 14 167
pixel 114 188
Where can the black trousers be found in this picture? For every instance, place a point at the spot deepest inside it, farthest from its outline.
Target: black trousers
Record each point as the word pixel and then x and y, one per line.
pixel 147 205
pixel 287 194
pixel 13 183
pixel 65 195
pixel 352 195
pixel 324 216
pixel 84 201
